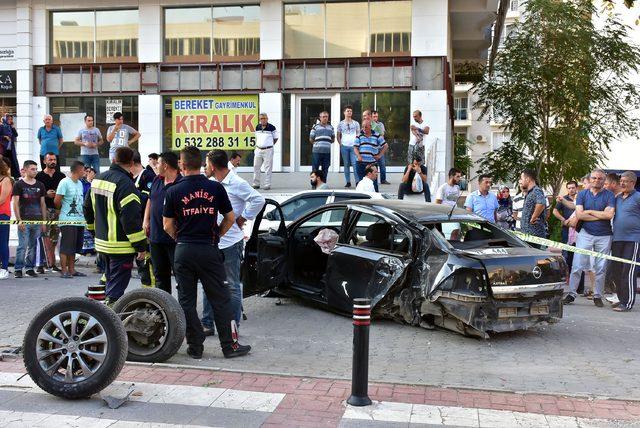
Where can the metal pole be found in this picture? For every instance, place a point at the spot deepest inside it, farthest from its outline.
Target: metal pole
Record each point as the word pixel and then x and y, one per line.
pixel 360 369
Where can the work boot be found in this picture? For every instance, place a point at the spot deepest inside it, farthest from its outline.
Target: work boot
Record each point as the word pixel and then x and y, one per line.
pixel 239 351
pixel 31 273
pixel 598 302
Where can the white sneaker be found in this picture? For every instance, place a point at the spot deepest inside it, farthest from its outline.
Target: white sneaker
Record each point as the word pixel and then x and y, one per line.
pixel 612 298
pixel 4 274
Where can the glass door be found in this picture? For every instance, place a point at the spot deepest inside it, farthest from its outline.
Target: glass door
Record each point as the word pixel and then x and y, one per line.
pixel 310 109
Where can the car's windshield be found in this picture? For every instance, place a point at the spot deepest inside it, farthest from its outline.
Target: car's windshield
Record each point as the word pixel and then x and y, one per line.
pixel 468 235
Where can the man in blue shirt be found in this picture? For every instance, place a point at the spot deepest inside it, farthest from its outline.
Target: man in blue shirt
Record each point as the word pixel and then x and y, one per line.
pixel 321 136
pixel 369 148
pixel 161 245
pixel 50 138
pixel 626 242
pixel 482 201
pixel 595 208
pixel 190 216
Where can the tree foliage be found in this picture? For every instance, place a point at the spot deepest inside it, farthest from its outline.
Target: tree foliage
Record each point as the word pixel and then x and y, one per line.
pixel 461 158
pixel 563 82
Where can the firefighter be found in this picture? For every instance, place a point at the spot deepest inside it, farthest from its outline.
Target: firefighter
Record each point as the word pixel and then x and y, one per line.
pixel 143 178
pixel 113 211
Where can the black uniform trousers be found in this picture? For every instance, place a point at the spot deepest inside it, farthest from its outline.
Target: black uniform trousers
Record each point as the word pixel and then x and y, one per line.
pixel 162 257
pixel 117 270
pixel 203 262
pixel 625 275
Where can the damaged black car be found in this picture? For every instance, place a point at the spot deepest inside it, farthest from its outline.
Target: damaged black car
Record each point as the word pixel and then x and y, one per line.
pixel 421 264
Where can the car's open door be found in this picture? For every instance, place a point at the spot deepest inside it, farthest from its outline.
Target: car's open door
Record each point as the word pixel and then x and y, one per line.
pixel 359 271
pixel 265 255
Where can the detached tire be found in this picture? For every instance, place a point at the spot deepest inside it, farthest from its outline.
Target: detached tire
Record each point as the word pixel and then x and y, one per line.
pixel 154 322
pixel 74 347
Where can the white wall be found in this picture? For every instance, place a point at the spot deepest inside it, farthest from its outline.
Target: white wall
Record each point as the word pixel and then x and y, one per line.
pixel 7 31
pixel 271 32
pixel 433 105
pixel 150 31
pixel 150 116
pixel 429 27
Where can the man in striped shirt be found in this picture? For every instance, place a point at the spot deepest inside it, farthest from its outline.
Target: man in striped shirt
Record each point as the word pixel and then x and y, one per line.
pixel 370 147
pixel 321 136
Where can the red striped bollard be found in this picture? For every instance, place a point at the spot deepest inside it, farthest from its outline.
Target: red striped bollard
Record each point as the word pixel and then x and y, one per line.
pixel 360 369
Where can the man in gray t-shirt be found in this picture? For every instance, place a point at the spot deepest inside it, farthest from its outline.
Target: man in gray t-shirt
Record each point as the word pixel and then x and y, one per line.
pixel 120 135
pixel 89 138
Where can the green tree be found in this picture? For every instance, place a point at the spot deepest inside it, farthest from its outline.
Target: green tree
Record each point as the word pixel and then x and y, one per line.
pixel 461 158
pixel 563 82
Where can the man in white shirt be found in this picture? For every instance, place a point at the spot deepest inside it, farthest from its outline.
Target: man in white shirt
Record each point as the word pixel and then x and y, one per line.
pixel 266 138
pixel 346 134
pixel 234 161
pixel 448 194
pixel 246 203
pixel 370 176
pixel 418 130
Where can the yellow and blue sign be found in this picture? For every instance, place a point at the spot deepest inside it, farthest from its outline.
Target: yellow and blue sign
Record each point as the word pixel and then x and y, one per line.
pixel 225 122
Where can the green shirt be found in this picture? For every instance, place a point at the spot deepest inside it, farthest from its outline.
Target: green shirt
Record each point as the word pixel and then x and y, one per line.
pixel 71 192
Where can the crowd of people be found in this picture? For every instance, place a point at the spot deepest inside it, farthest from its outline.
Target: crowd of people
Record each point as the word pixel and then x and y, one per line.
pixel 603 217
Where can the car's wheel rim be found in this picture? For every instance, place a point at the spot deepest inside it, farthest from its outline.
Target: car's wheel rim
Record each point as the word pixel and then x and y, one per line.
pixel 72 346
pixel 147 326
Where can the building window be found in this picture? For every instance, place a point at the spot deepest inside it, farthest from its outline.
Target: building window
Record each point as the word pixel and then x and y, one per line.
pixel 505 33
pixel 461 107
pixel 393 110
pixel 350 29
pixel 94 36
pixel 513 5
pixel 205 34
pixel 499 138
pixel 69 112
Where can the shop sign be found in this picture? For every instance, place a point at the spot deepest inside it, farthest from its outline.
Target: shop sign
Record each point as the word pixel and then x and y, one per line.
pixel 112 107
pixel 7 54
pixel 7 82
pixel 218 122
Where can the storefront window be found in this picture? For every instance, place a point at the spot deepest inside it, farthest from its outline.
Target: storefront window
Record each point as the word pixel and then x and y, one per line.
pixel 212 34
pixel 68 113
pixel 90 36
pixel 390 24
pixel 117 36
pixel 393 111
pixel 304 31
pixel 342 30
pixel 347 30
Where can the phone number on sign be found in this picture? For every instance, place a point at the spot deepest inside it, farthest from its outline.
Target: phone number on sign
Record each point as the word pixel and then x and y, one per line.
pixel 216 142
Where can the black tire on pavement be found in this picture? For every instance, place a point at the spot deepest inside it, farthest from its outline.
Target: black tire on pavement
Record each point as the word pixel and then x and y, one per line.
pixel 155 324
pixel 74 347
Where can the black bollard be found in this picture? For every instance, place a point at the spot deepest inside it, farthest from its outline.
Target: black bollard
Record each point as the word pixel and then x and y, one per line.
pixel 360 370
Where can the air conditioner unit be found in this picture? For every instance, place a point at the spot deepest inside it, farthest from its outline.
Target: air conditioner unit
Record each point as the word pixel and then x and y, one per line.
pixel 480 139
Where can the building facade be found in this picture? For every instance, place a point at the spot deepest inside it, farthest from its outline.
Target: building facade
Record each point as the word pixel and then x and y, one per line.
pixel 156 60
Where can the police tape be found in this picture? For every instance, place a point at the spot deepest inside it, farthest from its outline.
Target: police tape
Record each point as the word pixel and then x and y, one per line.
pixel 45 222
pixel 553 244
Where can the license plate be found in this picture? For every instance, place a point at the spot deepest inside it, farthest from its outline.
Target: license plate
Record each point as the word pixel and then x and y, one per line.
pixel 507 312
pixel 540 310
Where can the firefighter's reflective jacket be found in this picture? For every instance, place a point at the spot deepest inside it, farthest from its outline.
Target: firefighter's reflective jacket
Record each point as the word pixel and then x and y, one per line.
pixel 112 209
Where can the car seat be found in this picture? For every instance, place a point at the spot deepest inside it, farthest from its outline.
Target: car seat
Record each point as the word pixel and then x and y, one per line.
pixel 378 236
pixel 474 234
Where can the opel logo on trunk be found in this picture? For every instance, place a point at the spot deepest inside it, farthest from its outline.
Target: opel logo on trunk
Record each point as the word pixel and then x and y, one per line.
pixel 537 272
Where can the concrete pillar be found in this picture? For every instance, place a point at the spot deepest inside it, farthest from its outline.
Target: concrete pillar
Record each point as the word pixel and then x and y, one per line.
pixel 150 114
pixel 434 108
pixel 429 27
pixel 271 29
pixel 150 31
pixel 27 148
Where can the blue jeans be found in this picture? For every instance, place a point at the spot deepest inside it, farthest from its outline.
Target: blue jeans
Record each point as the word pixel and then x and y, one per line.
pixel 27 241
pixel 382 164
pixel 92 161
pixel 232 260
pixel 360 168
pixel 4 242
pixel 349 159
pixel 321 161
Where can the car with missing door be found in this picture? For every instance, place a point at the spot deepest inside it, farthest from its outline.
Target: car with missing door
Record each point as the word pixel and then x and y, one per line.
pixel 421 264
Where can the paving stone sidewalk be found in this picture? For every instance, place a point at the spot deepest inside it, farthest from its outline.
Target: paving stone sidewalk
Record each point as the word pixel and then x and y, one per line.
pixel 298 401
